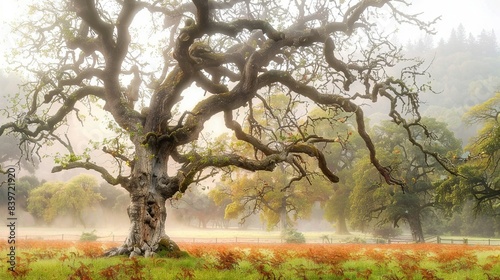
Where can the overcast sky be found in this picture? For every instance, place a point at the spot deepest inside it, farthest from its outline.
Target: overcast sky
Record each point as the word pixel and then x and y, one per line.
pixel 475 15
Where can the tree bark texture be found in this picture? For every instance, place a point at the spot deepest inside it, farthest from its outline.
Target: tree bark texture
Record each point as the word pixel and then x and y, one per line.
pixel 146 237
pixel 149 189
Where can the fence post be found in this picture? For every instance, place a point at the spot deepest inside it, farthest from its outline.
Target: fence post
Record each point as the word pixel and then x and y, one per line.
pixel 489 241
pixel 466 241
pixel 438 240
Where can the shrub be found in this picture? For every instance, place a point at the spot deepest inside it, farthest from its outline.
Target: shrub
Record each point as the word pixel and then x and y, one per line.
pixel 89 236
pixel 293 236
pixel 386 232
pixel 354 240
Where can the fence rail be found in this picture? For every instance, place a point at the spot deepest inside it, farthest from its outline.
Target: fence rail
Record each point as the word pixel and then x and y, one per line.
pixel 69 237
pixel 468 241
pixel 274 240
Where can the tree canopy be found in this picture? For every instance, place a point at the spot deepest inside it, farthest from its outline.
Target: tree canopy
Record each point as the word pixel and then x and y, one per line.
pixel 159 71
pixel 373 201
pixel 479 166
pixel 54 199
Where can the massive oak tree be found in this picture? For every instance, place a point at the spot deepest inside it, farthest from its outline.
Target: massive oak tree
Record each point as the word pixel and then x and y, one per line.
pixel 136 61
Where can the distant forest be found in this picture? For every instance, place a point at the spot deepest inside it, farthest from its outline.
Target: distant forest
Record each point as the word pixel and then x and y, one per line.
pixel 465 71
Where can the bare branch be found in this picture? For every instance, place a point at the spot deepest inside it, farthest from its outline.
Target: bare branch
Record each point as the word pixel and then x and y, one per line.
pixel 91 166
pixel 22 125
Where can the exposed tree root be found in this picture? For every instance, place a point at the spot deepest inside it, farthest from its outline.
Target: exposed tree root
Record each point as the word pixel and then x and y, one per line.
pixel 165 248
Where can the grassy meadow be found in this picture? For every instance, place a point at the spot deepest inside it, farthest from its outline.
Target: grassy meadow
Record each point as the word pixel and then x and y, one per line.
pixel 39 259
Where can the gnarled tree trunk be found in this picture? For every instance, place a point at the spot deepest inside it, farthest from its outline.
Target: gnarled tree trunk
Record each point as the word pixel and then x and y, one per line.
pixel 147 214
pixel 149 189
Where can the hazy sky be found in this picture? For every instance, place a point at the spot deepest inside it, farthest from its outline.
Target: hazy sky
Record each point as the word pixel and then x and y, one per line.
pixel 8 12
pixel 475 15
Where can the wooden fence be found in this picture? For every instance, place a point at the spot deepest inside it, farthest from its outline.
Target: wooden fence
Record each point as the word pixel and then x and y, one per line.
pixel 466 241
pixel 270 240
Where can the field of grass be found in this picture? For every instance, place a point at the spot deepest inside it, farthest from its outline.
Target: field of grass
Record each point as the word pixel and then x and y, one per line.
pixel 37 259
